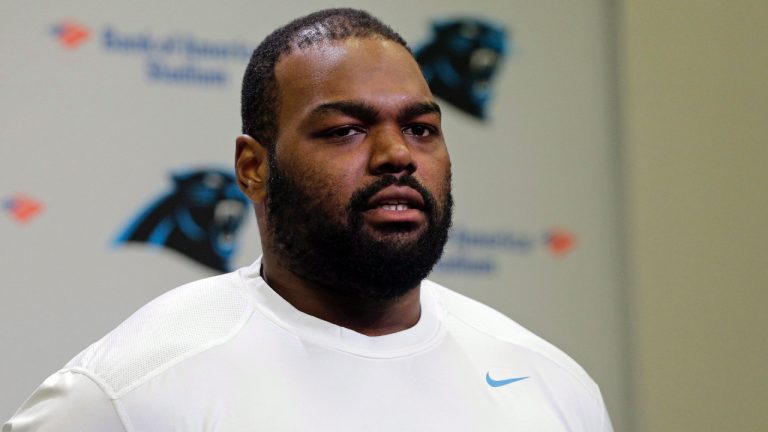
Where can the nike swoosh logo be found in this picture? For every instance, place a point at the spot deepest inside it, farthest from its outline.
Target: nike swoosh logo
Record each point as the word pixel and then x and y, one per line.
pixel 494 383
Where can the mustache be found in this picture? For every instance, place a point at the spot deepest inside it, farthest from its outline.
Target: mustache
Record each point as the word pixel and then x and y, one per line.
pixel 359 200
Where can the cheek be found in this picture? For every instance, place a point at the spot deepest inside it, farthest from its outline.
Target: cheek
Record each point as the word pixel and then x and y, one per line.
pixel 435 173
pixel 327 187
pixel 335 167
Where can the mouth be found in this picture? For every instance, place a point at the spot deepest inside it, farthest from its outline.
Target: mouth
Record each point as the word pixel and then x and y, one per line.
pixel 395 205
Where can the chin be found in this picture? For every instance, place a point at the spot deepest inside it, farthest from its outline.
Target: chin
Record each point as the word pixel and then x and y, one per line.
pixel 400 234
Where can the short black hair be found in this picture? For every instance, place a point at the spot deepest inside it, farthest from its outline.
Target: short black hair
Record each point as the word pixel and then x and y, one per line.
pixel 259 97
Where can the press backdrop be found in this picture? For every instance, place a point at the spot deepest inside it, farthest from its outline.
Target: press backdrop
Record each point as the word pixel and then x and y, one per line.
pixel 100 104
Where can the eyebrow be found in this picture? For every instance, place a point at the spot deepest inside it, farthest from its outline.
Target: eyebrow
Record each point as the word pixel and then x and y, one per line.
pixel 369 114
pixel 359 110
pixel 418 109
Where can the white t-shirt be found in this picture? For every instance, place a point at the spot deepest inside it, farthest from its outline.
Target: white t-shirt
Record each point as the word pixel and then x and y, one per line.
pixel 228 354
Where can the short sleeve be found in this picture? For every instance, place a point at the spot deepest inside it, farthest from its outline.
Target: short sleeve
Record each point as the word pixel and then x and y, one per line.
pixel 605 420
pixel 67 401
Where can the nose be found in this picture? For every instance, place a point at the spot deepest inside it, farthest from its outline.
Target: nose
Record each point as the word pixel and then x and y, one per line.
pixel 390 153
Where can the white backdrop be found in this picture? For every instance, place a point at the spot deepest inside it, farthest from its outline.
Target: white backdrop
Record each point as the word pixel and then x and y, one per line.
pixel 90 133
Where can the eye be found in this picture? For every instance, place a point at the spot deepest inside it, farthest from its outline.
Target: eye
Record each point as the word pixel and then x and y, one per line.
pixel 419 130
pixel 344 132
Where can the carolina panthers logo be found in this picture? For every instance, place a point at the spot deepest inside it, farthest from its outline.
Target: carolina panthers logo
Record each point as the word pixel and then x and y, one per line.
pixel 200 218
pixel 461 61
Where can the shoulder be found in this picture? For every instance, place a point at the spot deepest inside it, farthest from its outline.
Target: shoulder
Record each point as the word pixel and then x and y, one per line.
pixel 492 324
pixel 55 406
pixel 171 328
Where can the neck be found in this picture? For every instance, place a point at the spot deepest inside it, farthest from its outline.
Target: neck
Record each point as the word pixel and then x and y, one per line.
pixel 371 317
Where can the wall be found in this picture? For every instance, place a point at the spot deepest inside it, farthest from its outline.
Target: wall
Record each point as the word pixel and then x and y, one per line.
pixel 695 110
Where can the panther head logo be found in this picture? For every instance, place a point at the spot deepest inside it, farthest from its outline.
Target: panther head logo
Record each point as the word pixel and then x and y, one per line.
pixel 199 217
pixel 461 60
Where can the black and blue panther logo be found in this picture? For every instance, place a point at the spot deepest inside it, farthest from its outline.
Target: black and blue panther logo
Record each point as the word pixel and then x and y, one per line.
pixel 461 60
pixel 199 217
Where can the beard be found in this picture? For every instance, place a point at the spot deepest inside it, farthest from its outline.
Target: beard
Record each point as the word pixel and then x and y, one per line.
pixel 344 257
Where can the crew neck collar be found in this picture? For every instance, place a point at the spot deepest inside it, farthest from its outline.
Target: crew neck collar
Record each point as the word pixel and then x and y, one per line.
pixel 421 336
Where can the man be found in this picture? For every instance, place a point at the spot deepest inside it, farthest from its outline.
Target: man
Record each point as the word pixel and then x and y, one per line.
pixel 334 328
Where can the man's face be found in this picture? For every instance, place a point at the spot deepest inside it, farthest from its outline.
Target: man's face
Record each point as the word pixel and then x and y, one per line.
pixel 359 184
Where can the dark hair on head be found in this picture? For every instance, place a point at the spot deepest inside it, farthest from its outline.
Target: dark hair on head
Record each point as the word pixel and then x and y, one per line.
pixel 259 97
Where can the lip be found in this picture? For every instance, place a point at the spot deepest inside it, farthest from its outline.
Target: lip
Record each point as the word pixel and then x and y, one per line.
pixel 396 197
pixel 397 194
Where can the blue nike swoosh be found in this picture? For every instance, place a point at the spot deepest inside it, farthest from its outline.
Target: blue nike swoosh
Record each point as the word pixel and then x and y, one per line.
pixel 493 383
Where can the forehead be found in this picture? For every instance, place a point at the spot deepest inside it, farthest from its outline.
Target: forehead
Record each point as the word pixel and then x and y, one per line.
pixel 379 72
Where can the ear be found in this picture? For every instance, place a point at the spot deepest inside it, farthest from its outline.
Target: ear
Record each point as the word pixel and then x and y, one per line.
pixel 251 168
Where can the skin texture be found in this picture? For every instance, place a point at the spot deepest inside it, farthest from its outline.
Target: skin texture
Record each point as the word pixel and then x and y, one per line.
pixel 350 112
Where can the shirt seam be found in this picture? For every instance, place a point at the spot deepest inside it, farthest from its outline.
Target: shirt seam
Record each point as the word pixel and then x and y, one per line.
pixel 119 412
pixel 115 394
pixel 122 414
pixel 423 346
pixel 205 347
